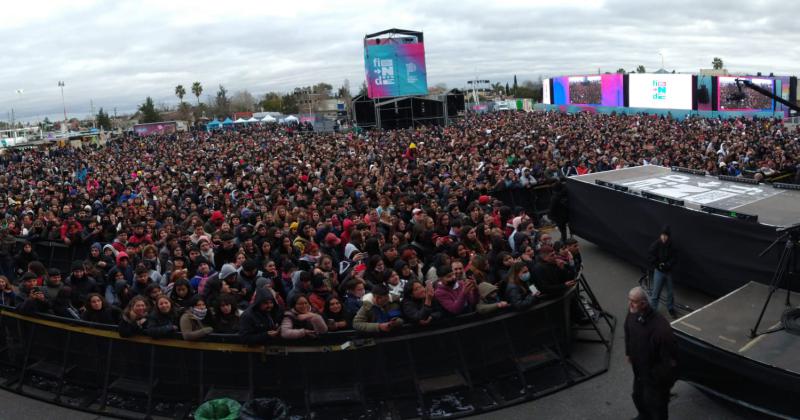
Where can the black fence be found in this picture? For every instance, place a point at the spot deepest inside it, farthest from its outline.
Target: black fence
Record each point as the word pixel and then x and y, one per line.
pixel 465 366
pixel 535 199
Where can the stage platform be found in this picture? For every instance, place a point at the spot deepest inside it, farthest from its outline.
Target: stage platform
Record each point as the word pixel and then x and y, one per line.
pixel 717 353
pixel 774 207
pixel 715 253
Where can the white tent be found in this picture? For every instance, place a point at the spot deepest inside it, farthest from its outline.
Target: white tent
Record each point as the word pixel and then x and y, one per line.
pixel 290 119
pixel 269 119
pixel 240 121
pixel 252 120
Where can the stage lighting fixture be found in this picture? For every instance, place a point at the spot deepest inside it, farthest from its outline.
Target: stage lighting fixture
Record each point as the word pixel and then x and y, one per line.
pixel 739 179
pixel 730 213
pixel 785 186
pixel 665 200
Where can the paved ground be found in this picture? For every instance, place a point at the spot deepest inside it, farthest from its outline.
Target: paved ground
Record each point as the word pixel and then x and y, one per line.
pixel 604 397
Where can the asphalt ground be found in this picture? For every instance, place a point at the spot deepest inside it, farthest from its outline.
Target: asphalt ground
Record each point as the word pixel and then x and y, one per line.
pixel 604 397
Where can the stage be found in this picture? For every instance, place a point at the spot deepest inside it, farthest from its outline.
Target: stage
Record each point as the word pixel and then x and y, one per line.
pixel 717 353
pixel 716 253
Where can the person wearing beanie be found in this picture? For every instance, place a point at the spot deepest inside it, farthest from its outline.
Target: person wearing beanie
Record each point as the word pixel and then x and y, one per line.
pixel 52 284
pixel 456 297
pixel 204 273
pixel 662 259
pixel 82 283
pixel 378 316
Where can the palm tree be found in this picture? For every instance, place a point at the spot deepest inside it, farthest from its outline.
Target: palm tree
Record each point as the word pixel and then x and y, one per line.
pixel 197 90
pixel 180 92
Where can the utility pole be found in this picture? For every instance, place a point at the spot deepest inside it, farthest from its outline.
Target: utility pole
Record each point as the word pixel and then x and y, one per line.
pixel 61 85
pixel 94 117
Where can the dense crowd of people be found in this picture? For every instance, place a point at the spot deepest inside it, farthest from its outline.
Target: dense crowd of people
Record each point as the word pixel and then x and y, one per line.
pixel 731 97
pixel 586 92
pixel 266 232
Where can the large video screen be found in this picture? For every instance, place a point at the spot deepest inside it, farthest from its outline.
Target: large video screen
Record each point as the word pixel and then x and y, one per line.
pixel 546 91
pixel 732 99
pixel 395 69
pixel 660 91
pixel 605 90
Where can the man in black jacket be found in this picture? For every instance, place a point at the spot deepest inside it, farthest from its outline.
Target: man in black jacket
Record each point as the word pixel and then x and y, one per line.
pixel 261 320
pixel 651 350
pixel 549 274
pixel 662 258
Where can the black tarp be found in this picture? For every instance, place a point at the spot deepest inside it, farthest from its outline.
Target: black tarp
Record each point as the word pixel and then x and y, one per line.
pixel 716 254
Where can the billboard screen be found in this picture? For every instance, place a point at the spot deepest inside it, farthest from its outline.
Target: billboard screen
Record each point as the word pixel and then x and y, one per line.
pixel 395 69
pixel 730 98
pixel 546 91
pixel 155 128
pixel 605 90
pixel 660 91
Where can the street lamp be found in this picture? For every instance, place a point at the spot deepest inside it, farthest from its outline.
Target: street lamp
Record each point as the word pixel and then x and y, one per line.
pixel 61 85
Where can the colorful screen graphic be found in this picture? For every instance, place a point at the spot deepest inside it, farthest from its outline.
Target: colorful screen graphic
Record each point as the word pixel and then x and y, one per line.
pixel 605 90
pixel 660 91
pixel 546 91
pixel 395 69
pixel 155 128
pixel 732 99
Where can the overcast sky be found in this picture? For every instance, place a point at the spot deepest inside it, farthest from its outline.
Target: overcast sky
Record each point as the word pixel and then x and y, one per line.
pixel 117 52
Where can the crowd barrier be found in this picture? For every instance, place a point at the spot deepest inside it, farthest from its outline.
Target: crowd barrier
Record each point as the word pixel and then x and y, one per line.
pixel 485 363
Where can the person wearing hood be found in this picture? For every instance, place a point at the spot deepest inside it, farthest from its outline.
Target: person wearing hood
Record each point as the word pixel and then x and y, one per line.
pixel 24 257
pixel 662 259
pixel 99 312
pixel 82 285
pixel 301 321
pixel 96 258
pixel 194 319
pixel 204 273
pixel 490 301
pixel 163 318
pixel 418 303
pixel 261 320
pixel 246 279
pixel 123 266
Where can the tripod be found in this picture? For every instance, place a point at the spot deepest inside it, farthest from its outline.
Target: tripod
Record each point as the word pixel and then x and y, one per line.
pixel 787 267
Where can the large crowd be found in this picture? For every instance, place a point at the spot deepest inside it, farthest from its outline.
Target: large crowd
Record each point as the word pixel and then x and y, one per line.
pixel 268 232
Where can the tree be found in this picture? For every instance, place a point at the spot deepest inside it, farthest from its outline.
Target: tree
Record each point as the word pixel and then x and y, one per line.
pixel 516 86
pixel 363 89
pixel 180 92
pixel 221 102
pixel 640 69
pixel 322 88
pixel 508 90
pixel 197 90
pixel 621 70
pixel 289 104
pixel 243 101
pixel 344 90
pixel 148 110
pixel 103 120
pixel 717 63
pixel 497 87
pixel 271 102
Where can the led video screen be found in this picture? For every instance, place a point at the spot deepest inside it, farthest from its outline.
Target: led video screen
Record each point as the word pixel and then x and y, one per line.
pixel 660 91
pixel 395 69
pixel 605 90
pixel 546 91
pixel 730 98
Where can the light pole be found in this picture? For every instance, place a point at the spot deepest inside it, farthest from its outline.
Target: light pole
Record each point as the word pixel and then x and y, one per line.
pixel 64 104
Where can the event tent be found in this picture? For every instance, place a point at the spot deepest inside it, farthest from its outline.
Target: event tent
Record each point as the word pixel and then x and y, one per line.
pixel 240 121
pixel 252 120
pixel 290 119
pixel 227 123
pixel 269 119
pixel 213 125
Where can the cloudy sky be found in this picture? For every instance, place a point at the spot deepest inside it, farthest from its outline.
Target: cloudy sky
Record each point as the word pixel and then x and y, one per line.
pixel 117 52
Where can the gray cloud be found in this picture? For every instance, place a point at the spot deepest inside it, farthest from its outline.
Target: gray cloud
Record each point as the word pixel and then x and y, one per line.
pixel 116 53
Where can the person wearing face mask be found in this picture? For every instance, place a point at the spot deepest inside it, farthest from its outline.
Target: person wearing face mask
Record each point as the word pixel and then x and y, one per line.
pixel 517 292
pixel 192 321
pixel 651 350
